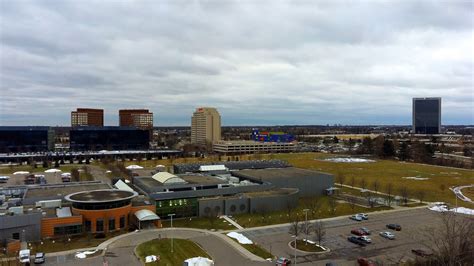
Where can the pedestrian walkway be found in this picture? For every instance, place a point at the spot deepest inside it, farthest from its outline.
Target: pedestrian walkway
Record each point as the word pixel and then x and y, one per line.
pixel 234 223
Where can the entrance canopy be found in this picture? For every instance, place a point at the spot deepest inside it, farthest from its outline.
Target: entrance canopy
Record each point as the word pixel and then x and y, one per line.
pixel 146 215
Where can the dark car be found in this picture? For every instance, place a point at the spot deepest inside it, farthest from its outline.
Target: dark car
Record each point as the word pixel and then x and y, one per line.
pixel 421 252
pixel 365 230
pixel 283 261
pixel 356 240
pixel 357 232
pixel 365 262
pixel 395 227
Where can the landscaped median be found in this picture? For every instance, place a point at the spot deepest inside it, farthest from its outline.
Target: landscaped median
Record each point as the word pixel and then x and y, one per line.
pixel 161 248
pixel 308 246
pixel 250 246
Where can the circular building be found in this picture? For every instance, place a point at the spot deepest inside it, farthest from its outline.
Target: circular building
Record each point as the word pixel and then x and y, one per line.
pixel 103 210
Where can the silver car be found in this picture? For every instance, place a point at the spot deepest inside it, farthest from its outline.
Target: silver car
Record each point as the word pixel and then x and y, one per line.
pixel 387 235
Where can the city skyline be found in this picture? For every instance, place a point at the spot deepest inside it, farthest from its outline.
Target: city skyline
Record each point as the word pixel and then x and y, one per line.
pixel 283 63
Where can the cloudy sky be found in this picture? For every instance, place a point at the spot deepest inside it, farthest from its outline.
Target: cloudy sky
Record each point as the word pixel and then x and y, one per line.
pixel 258 62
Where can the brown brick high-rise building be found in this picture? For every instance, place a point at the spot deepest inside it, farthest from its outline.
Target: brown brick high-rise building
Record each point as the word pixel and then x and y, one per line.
pixel 140 118
pixel 87 117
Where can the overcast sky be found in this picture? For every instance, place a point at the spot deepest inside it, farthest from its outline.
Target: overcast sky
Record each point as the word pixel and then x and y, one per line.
pixel 258 62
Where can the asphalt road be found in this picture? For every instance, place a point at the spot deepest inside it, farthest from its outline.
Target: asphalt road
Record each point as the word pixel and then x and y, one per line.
pixel 413 223
pixel 276 239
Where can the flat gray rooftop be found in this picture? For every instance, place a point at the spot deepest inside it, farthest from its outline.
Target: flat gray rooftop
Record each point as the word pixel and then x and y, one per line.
pixel 277 173
pixel 103 195
pixel 62 190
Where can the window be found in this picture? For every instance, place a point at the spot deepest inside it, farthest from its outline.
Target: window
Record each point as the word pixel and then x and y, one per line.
pixel 16 236
pixel 122 221
pixel 111 223
pixel 88 225
pixel 67 230
pixel 99 225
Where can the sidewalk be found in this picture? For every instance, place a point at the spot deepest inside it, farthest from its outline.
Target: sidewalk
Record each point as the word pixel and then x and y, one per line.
pixel 234 223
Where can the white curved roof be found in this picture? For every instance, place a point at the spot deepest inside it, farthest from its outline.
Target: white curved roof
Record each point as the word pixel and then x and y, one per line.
pixel 146 215
pixel 123 186
pixel 217 167
pixel 167 178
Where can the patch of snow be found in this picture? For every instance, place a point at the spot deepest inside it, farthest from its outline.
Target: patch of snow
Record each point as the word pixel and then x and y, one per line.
pixel 415 178
pixel 134 167
pixel 150 258
pixel 349 160
pixel 199 261
pixel 444 208
pixel 83 254
pixel 240 238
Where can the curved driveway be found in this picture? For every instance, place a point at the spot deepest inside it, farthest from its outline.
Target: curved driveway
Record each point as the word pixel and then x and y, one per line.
pixel 119 250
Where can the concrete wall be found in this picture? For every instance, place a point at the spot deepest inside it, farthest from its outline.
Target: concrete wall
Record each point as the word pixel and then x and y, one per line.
pixel 246 204
pixel 236 205
pixel 273 202
pixel 214 205
pixel 30 222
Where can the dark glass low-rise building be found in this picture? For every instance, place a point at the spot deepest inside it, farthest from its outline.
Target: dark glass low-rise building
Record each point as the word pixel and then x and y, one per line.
pixel 26 139
pixel 109 138
pixel 427 115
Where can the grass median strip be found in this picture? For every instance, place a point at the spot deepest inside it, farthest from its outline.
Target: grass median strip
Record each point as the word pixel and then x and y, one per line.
pixel 256 250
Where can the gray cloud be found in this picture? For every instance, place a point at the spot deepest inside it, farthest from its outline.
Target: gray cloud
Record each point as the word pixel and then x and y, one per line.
pixel 264 62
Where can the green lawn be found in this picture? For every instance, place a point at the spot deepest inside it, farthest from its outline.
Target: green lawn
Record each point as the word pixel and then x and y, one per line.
pixel 324 211
pixel 436 188
pixel 256 249
pixel 182 250
pixel 200 222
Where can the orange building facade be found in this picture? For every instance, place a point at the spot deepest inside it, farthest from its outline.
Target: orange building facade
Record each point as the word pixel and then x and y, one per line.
pixel 140 118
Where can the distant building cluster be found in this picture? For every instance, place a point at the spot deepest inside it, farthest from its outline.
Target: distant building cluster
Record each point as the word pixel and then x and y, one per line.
pixel 88 117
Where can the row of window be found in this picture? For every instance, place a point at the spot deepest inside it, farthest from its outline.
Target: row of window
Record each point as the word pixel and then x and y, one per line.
pixel 68 230
pixel 99 224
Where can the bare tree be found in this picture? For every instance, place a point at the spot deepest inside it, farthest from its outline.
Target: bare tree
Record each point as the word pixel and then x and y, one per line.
pixel 295 227
pixel 420 195
pixel 332 205
pixel 352 202
pixel 352 181
pixel 263 211
pixel 314 205
pixel 340 179
pixel 404 194
pixel 376 186
pixel 453 242
pixel 289 210
pixel 306 228
pixel 389 191
pixel 363 183
pixel 319 232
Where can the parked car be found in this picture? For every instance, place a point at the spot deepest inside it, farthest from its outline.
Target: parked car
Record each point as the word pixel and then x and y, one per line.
pixel 39 258
pixel 282 261
pixel 357 232
pixel 365 262
pixel 387 235
pixel 421 252
pixel 396 227
pixel 24 256
pixel 365 230
pixel 365 239
pixel 356 218
pixel 364 216
pixel 356 240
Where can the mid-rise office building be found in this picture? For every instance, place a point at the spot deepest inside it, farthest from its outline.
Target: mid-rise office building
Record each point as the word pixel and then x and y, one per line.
pixel 427 115
pixel 87 117
pixel 205 126
pixel 140 118
pixel 109 138
pixel 26 139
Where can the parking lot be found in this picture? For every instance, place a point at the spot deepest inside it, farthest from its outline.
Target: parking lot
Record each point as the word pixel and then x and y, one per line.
pixel 413 222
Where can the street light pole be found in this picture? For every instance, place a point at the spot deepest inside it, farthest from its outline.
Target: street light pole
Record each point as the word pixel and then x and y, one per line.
pixel 295 249
pixel 306 224
pixel 171 215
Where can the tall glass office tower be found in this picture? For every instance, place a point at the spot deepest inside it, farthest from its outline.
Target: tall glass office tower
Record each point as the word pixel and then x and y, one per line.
pixel 427 115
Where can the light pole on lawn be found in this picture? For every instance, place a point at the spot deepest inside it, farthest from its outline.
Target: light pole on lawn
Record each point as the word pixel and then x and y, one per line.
pixel 295 247
pixel 171 215
pixel 306 223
